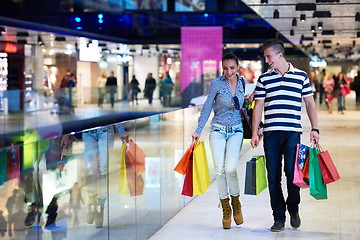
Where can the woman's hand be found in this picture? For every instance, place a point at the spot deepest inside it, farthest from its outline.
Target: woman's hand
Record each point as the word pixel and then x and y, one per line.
pixel 66 141
pixel 249 98
pixel 255 141
pixel 124 137
pixel 195 137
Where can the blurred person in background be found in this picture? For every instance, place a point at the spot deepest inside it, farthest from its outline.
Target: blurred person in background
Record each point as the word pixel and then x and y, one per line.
pixel 134 90
pixel 150 85
pixel 344 90
pixel 101 84
pixel 355 85
pixel 321 88
pixel 328 85
pixel 314 84
pixel 111 87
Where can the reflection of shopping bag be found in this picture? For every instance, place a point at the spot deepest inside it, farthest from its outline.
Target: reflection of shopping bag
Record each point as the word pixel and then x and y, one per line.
pixel 302 152
pixel 255 176
pixel 135 181
pixel 183 163
pixel 136 157
pixel 132 162
pixel 123 182
pixel 3 162
pixel 317 187
pixel 328 170
pixel 201 175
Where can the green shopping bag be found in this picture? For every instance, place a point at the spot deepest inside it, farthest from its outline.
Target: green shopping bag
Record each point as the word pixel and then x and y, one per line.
pixel 255 175
pixel 317 187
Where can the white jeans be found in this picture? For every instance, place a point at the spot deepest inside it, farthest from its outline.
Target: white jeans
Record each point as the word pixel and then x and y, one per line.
pixel 225 143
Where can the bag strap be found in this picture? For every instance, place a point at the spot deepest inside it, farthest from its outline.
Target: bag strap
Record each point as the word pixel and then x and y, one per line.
pixel 243 83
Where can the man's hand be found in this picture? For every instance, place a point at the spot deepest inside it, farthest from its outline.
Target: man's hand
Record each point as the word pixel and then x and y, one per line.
pixel 314 137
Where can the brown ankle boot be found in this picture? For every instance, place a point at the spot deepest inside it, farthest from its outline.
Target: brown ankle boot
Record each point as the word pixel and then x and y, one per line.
pixel 236 205
pixel 226 221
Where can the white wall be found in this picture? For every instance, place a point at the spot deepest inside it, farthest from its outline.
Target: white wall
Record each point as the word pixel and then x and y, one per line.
pixel 87 74
pixel 142 66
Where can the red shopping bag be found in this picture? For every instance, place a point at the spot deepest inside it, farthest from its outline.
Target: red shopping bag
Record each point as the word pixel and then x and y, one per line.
pixel 302 153
pixel 184 161
pixel 328 170
pixel 188 181
pixel 136 157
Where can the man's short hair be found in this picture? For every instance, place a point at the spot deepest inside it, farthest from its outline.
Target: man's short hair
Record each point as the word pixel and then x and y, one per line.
pixel 276 44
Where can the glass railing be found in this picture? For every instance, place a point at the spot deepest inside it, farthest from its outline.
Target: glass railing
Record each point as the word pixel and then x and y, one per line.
pixel 92 185
pixel 55 111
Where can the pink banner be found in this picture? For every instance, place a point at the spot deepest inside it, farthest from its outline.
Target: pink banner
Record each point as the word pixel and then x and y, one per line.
pixel 201 53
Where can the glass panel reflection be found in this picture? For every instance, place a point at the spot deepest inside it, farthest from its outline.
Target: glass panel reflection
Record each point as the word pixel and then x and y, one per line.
pixel 109 182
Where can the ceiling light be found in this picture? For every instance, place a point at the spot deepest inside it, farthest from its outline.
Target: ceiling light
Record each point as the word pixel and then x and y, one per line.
pixel 305 7
pixel 357 17
pixel 303 17
pixel 327 1
pixel 314 34
pixel 2 29
pixel 292 32
pixel 312 29
pixel 294 22
pixel 264 1
pixel 320 25
pixel 322 14
pixel 276 14
pixel 22 34
pixel 22 41
pixel 60 39
pixel 328 32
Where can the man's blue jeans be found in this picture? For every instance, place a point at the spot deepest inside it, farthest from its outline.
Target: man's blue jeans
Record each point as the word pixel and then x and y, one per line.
pixel 276 145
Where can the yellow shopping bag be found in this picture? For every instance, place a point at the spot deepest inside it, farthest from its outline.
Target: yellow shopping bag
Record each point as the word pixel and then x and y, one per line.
pixel 123 180
pixel 201 175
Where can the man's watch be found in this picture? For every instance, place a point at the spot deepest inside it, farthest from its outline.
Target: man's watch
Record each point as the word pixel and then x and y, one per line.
pixel 316 130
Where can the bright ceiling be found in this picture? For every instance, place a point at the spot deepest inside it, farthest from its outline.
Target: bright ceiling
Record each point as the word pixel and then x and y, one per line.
pixel 343 41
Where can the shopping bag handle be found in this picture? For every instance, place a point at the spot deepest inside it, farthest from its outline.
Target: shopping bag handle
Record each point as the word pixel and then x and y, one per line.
pixel 319 147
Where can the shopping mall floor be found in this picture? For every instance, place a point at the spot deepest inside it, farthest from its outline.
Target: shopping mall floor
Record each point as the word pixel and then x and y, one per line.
pixel 336 218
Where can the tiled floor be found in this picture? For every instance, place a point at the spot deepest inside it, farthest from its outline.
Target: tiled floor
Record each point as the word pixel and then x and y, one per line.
pixel 337 218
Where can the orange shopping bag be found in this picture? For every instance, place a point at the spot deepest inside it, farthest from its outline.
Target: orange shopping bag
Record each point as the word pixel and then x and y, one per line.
pixel 184 161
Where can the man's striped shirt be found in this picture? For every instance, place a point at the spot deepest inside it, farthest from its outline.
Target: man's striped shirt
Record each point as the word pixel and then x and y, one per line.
pixel 283 96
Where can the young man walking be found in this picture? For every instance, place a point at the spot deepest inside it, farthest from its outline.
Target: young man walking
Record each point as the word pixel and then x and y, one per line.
pixel 279 92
